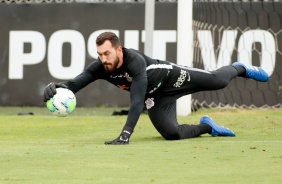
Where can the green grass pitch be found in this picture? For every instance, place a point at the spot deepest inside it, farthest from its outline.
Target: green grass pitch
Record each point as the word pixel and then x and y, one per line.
pixel 41 148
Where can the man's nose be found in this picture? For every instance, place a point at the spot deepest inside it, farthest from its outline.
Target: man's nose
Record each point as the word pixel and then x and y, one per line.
pixel 103 59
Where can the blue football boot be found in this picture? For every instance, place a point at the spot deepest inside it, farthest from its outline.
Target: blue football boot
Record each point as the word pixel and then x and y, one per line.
pixel 253 72
pixel 216 129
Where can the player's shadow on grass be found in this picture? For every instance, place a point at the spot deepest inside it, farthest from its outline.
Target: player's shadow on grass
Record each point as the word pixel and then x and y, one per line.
pixel 160 138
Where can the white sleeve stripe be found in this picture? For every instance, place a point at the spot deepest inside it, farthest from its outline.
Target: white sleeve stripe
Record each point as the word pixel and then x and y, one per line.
pixel 192 69
pixel 157 66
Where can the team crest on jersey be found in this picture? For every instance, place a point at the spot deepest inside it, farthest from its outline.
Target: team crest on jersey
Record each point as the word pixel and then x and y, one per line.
pixel 128 78
pixel 183 75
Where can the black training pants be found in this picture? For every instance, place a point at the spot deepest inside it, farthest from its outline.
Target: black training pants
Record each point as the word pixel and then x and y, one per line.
pixel 184 81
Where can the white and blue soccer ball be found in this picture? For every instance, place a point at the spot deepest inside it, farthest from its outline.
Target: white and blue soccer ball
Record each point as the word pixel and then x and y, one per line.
pixel 62 103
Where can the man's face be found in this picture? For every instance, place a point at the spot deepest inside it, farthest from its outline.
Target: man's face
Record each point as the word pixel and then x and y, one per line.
pixel 109 56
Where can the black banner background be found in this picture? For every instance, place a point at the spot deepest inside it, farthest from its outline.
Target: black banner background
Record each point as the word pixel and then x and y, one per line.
pixel 85 18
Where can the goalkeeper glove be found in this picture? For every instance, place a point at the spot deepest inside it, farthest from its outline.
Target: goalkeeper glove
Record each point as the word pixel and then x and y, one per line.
pixel 50 90
pixel 123 138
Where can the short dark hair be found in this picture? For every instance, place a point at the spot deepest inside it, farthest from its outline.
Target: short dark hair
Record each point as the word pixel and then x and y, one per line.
pixel 108 36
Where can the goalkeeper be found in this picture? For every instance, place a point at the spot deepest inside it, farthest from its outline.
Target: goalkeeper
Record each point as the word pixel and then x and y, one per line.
pixel 157 85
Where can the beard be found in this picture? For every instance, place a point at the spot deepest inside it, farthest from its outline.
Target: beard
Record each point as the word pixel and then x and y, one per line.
pixel 111 67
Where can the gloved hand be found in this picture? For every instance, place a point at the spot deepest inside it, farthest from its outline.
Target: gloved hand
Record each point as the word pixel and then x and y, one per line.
pixel 123 138
pixel 50 90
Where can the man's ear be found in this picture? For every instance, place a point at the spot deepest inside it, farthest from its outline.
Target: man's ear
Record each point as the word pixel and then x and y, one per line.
pixel 119 48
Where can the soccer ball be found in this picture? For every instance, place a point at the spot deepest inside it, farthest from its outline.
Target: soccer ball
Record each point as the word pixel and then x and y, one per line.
pixel 62 103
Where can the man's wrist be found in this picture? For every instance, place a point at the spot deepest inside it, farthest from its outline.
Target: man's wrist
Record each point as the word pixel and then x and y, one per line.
pixel 127 131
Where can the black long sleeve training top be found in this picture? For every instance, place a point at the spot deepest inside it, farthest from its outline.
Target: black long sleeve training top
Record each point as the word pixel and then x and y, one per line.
pixel 139 74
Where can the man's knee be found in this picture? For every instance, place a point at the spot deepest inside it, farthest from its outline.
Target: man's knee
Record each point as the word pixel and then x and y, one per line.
pixel 172 136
